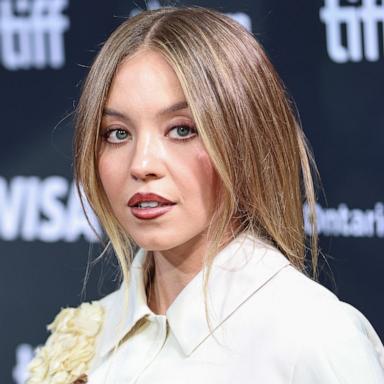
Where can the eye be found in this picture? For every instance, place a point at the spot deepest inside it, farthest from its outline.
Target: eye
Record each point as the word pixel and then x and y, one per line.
pixel 182 132
pixel 117 135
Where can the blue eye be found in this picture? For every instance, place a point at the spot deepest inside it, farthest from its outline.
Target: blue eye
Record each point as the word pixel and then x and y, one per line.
pixel 182 132
pixel 116 135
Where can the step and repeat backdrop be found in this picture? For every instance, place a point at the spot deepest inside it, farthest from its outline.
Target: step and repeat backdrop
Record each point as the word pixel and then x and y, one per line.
pixel 329 53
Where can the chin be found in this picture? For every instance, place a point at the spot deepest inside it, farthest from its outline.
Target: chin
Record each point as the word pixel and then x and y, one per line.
pixel 166 241
pixel 154 242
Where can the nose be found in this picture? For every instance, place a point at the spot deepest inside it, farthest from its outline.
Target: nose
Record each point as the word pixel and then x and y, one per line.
pixel 146 158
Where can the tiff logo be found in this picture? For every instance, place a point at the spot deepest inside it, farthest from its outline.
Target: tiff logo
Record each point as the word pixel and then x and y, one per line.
pixel 32 33
pixel 362 22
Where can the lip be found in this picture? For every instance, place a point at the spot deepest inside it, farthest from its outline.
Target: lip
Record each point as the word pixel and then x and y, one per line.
pixel 140 197
pixel 149 213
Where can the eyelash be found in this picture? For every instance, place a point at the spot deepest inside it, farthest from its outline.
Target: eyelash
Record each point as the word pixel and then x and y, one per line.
pixel 193 132
pixel 192 129
pixel 105 136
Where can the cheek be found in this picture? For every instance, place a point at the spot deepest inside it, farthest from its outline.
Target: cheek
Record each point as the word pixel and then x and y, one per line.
pixel 206 178
pixel 211 176
pixel 207 171
pixel 111 175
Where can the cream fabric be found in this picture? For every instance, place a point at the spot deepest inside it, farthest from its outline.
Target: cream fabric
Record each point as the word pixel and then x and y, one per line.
pixel 272 325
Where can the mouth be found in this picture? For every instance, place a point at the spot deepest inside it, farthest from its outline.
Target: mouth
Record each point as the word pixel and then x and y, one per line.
pixel 148 200
pixel 147 206
pixel 151 204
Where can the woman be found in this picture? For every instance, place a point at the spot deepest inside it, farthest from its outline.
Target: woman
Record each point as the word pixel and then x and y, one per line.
pixel 187 146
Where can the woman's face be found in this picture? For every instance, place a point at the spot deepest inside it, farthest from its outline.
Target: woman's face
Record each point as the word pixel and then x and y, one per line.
pixel 153 166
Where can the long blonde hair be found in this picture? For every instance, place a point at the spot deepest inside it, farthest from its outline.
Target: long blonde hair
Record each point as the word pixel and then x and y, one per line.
pixel 244 118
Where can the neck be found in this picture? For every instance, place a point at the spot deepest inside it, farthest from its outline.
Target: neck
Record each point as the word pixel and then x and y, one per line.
pixel 172 270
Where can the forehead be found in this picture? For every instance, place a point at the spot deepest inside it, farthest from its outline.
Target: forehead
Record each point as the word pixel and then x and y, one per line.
pixel 146 73
pixel 145 87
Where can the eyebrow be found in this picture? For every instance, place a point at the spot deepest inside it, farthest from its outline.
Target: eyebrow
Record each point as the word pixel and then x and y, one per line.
pixel 173 108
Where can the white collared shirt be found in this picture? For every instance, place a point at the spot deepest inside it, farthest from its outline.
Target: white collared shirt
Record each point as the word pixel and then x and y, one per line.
pixel 271 325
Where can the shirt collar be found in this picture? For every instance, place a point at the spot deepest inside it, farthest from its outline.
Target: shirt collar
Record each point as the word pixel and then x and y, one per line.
pixel 124 307
pixel 238 271
pixel 242 268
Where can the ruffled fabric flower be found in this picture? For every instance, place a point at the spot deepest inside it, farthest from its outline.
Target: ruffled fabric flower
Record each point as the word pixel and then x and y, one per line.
pixel 69 350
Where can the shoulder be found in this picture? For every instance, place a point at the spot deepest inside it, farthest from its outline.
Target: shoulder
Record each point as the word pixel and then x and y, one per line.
pixel 341 348
pixel 309 304
pixel 335 343
pixel 69 350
